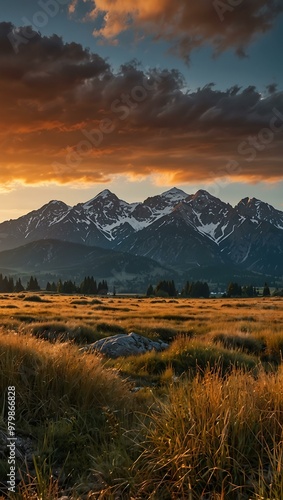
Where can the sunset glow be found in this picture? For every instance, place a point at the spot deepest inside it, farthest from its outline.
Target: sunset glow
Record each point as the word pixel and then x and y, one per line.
pixel 70 116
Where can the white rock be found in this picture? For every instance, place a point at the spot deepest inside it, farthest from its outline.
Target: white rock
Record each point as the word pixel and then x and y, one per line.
pixel 126 345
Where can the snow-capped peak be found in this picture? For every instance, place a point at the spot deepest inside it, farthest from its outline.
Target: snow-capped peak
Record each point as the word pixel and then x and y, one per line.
pixel 201 194
pixel 174 194
pixel 103 195
pixel 258 210
pixel 254 203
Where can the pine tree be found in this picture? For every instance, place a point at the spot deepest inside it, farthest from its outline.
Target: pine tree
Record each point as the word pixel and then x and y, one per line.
pixel 102 288
pixel 92 286
pixel 196 290
pixel 18 286
pixel 83 286
pixel 59 286
pixel 186 290
pixel 6 284
pixel 11 285
pixel 172 289
pixel 150 291
pixel 32 285
pixel 68 287
pixel 161 289
pixel 248 291
pixel 88 286
pixel 266 290
pixel 205 291
pixel 234 290
pixel 51 287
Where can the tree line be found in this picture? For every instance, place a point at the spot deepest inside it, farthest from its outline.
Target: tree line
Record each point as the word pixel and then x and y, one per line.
pixel 7 284
pixel 191 289
pixel 89 286
pixel 236 290
pixel 197 289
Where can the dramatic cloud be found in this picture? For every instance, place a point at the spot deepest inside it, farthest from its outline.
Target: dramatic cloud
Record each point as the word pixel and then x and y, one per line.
pixel 66 116
pixel 189 24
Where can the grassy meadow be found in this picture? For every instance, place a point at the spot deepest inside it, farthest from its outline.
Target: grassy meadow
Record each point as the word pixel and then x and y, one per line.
pixel 201 420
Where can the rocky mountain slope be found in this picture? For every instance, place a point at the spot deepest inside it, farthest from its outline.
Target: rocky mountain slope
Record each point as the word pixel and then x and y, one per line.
pixel 174 229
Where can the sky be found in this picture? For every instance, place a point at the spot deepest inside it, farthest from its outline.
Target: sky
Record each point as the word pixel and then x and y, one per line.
pixel 138 97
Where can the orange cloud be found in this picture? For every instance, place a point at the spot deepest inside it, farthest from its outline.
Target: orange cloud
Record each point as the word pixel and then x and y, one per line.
pixel 72 6
pixel 66 117
pixel 188 24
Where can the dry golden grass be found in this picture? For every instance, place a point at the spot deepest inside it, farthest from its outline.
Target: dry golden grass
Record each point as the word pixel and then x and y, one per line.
pixel 215 438
pixel 207 422
pixel 147 314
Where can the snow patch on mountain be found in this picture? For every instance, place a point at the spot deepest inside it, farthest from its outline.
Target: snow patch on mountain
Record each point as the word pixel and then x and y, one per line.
pixel 194 221
pixel 174 194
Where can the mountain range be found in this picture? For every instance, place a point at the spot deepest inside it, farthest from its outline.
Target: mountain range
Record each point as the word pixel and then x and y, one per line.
pixel 174 231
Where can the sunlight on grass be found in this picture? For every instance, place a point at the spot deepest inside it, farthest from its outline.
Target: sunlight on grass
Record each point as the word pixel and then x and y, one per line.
pixel 200 420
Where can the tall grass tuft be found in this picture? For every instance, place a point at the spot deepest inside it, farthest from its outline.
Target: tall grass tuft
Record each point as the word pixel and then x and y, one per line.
pixel 244 343
pixel 186 356
pixel 61 396
pixel 215 437
pixel 59 331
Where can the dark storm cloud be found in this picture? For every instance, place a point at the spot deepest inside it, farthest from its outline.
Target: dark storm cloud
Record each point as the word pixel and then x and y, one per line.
pixel 271 88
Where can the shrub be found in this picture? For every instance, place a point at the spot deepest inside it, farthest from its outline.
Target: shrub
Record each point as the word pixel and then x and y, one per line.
pixel 34 298
pixel 82 302
pixel 26 319
pixel 106 308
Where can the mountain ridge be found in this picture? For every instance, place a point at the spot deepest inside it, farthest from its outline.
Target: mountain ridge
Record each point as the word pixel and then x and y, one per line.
pixel 175 229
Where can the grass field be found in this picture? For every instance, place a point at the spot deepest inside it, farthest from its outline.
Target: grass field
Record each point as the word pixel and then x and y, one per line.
pixel 201 420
